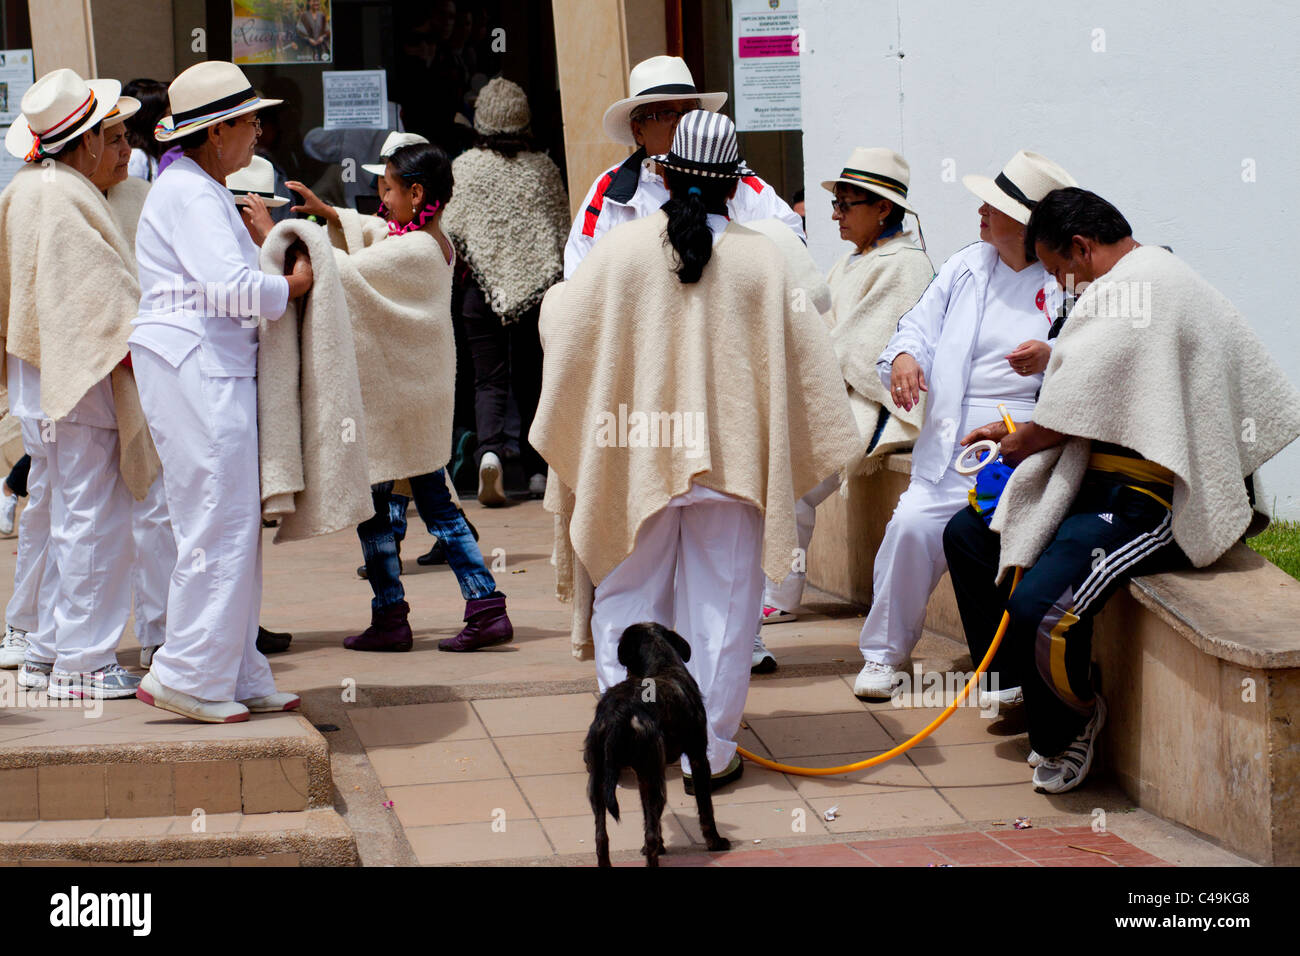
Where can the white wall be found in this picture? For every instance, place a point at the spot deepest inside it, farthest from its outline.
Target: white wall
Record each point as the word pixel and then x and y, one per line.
pixel 1159 123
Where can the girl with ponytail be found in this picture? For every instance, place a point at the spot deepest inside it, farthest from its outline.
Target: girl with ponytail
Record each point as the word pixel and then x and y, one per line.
pixel 694 199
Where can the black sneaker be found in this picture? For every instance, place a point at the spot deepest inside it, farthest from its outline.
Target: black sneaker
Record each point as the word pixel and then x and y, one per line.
pixel 437 555
pixel 733 773
pixel 272 642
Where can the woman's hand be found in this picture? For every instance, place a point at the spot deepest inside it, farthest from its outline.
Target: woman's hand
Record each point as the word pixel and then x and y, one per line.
pixel 312 204
pixel 299 275
pixel 907 381
pixel 257 218
pixel 1030 358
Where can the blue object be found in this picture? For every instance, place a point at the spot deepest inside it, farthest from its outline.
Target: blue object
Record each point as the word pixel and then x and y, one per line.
pixel 989 483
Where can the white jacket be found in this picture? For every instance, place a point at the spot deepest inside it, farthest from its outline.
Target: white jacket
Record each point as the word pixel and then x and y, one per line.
pixel 633 189
pixel 940 332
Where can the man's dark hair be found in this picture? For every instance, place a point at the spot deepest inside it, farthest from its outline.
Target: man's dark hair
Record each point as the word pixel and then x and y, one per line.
pixel 1065 213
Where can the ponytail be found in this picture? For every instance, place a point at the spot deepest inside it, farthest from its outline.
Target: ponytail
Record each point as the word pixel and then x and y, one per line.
pixel 692 199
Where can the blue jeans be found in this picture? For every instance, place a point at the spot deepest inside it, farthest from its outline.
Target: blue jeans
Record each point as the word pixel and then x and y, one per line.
pixel 444 520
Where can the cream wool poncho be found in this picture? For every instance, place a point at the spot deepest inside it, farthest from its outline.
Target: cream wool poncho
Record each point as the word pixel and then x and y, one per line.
pixel 1185 382
pixel 373 404
pixel 71 317
pixel 728 355
pixel 509 219
pixel 870 294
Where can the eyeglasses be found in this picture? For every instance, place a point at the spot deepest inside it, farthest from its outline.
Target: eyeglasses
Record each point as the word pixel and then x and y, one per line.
pixel 256 123
pixel 842 206
pixel 662 116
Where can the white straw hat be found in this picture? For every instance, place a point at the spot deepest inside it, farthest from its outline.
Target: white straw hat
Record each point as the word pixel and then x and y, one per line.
pixel 877 170
pixel 392 144
pixel 258 178
pixel 127 106
pixel 56 109
pixel 206 94
pixel 1025 179
pixel 656 80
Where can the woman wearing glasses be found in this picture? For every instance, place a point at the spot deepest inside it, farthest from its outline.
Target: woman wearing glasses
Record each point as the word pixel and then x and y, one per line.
pixel 194 350
pixel 872 285
pixel 976 338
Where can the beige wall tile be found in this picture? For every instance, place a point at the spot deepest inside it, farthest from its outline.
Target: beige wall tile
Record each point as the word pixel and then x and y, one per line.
pixel 271 785
pixel 139 790
pixel 212 786
pixel 18 788
pixel 72 792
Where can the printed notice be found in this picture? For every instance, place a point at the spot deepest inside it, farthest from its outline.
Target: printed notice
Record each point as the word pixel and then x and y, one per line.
pixel 766 53
pixel 356 99
pixel 15 77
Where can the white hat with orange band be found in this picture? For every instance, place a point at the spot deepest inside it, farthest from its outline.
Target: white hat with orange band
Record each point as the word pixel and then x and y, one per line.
pixel 56 109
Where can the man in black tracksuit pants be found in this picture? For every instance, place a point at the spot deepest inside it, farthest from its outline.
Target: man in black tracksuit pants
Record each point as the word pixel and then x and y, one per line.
pixel 1119 526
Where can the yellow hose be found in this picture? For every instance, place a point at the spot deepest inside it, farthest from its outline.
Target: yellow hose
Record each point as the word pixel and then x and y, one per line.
pixel 906 745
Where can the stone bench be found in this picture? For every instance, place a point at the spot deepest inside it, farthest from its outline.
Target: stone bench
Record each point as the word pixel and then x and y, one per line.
pixel 1201 670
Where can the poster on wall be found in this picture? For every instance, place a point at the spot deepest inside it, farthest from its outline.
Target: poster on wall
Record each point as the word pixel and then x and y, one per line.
pixel 281 31
pixel 765 37
pixel 356 99
pixel 15 77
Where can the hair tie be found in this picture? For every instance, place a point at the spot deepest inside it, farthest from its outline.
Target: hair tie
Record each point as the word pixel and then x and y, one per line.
pixel 694 191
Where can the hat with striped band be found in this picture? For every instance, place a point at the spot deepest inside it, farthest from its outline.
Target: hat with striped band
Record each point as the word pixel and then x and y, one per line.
pixel 127 106
pixel 257 178
pixel 1025 179
pixel 206 94
pixel 705 145
pixel 877 170
pixel 56 109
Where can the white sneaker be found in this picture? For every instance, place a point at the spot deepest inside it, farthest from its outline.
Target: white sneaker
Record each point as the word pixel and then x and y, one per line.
pixel 113 682
pixel 1035 759
pixel 14 649
pixel 763 662
pixel 272 703
pixel 537 486
pixel 875 681
pixel 1008 697
pixel 35 675
pixel 491 490
pixel 1068 769
pixel 155 694
pixel 8 505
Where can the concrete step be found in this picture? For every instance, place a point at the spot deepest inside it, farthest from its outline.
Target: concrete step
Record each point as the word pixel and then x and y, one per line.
pixel 301 838
pixel 122 759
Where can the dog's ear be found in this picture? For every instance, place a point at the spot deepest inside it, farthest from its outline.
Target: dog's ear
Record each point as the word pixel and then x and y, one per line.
pixel 679 644
pixel 629 646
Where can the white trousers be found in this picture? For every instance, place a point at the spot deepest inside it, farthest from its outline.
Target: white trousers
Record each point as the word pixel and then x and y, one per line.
pixel 205 428
pixel 23 610
pixel 155 558
pixel 84 593
pixel 697 568
pixel 788 595
pixel 910 560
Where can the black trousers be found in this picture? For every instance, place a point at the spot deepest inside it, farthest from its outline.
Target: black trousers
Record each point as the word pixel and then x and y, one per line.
pixel 505 357
pixel 17 480
pixel 1111 534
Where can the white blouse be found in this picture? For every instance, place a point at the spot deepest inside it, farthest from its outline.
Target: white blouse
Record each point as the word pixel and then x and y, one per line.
pixel 200 285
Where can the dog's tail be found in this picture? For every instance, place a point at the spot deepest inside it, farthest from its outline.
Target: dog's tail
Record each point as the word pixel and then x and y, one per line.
pixel 609 773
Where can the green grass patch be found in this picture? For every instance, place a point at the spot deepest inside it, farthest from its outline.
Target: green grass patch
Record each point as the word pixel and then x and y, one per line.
pixel 1281 545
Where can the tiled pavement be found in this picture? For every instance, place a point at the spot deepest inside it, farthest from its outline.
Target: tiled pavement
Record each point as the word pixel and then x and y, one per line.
pixel 503 779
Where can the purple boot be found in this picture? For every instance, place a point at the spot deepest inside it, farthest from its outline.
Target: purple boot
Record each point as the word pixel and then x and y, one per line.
pixel 486 624
pixel 388 631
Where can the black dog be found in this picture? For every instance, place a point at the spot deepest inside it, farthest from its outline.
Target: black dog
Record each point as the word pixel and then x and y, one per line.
pixel 654 716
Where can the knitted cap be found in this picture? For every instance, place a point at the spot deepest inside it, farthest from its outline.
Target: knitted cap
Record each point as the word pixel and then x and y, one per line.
pixel 502 107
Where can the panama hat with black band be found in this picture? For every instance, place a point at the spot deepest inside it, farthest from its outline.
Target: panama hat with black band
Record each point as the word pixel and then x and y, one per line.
pixel 660 79
pixel 258 179
pixel 206 94
pixel 56 109
pixel 1025 179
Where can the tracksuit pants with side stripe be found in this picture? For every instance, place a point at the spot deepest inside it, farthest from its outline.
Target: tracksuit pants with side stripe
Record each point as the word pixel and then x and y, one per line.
pixel 1112 533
